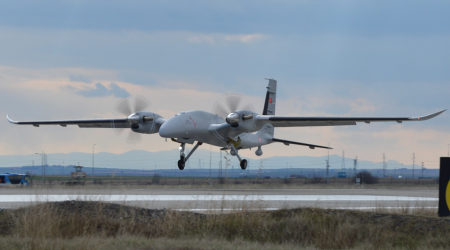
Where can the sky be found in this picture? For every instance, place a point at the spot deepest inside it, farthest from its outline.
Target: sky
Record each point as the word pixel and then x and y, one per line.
pixel 77 59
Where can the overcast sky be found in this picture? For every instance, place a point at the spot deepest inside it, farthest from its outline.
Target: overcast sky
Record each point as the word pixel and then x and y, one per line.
pixel 77 59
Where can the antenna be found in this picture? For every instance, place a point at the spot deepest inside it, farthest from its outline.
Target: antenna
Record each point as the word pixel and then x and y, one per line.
pixel 414 163
pixel 343 160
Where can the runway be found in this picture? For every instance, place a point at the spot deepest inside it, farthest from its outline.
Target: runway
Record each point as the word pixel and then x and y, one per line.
pixel 216 199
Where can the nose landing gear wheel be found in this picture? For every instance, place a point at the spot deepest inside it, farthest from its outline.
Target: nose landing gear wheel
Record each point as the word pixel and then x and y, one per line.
pixel 244 164
pixel 181 163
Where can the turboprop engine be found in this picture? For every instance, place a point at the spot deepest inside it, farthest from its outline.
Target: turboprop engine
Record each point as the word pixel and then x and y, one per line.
pixel 237 122
pixel 144 122
pixel 242 121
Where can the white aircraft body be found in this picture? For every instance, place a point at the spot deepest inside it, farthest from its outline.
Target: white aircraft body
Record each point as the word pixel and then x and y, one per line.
pixel 241 129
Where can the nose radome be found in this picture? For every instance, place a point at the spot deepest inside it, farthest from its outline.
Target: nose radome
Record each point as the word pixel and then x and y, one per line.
pixel 172 128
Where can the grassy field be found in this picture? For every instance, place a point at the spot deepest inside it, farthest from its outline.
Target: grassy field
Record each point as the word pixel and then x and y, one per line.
pixel 97 225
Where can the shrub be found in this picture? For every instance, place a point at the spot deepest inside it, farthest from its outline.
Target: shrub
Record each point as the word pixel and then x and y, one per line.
pixel 366 177
pixel 156 178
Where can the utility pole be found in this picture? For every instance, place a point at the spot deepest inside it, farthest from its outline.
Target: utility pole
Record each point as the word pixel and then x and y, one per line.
pixel 93 146
pixel 384 166
pixel 42 166
pixel 355 164
pixel 343 160
pixel 423 168
pixel 220 167
pixel 210 159
pixel 328 161
pixel 414 163
pixel 45 165
pixel 287 170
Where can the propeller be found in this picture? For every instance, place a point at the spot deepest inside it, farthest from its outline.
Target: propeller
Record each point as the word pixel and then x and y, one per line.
pixel 225 107
pixel 128 106
pixel 229 104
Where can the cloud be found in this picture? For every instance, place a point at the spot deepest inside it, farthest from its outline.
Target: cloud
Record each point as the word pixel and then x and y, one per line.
pixel 215 38
pixel 100 91
pixel 79 78
pixel 118 91
pixel 244 38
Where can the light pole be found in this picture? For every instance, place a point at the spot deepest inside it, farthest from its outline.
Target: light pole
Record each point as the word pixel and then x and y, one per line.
pixel 93 146
pixel 42 165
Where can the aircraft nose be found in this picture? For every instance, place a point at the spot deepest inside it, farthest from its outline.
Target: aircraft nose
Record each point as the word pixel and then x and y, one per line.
pixel 172 128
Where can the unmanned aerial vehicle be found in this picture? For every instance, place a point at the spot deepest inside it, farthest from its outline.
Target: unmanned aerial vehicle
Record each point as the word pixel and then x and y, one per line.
pixel 233 130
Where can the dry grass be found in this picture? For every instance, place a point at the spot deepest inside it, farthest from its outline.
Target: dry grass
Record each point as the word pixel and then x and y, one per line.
pixel 420 208
pixel 97 225
pixel 139 243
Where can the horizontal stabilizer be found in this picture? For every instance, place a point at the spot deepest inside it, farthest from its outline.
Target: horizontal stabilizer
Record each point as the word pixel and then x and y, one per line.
pixel 286 142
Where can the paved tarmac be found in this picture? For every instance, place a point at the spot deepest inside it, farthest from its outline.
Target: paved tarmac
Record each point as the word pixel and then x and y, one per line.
pixel 218 199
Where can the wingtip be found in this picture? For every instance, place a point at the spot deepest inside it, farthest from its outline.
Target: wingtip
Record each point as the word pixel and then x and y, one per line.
pixel 10 120
pixel 427 117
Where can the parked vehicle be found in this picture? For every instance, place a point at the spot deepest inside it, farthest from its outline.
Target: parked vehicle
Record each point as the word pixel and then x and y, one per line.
pixel 14 179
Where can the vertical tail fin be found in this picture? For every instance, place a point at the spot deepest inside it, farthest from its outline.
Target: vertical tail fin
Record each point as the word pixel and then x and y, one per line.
pixel 271 98
pixel 269 106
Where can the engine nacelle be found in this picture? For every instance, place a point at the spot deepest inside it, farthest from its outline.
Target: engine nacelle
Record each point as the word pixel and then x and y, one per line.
pixel 242 121
pixel 144 122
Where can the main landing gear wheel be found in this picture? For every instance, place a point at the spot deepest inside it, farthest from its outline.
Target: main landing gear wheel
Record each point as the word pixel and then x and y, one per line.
pixel 181 163
pixel 243 164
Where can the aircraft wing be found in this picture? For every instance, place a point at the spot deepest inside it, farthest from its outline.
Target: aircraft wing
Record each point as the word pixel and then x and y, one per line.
pixel 299 121
pixel 91 123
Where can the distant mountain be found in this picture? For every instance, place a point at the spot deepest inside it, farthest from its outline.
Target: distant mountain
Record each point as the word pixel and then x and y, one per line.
pixel 141 159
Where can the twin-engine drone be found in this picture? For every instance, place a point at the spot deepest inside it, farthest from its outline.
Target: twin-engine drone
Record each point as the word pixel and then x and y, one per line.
pixel 241 129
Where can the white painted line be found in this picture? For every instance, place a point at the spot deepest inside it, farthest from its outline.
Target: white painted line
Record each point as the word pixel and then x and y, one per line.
pixel 45 198
pixel 272 208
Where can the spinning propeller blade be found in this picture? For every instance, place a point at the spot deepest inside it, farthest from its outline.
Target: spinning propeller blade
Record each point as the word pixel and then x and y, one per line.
pixel 124 107
pixel 229 104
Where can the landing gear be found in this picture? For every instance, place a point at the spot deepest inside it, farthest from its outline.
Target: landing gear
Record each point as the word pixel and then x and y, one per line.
pixel 181 163
pixel 183 159
pixel 243 162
